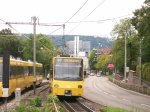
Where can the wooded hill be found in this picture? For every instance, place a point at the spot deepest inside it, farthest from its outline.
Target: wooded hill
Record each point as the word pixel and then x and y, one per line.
pixel 60 40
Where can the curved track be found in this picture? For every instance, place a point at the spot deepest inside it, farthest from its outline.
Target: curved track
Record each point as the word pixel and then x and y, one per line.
pixel 73 105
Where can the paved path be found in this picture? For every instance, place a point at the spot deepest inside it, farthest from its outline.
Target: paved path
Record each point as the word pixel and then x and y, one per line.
pixel 102 91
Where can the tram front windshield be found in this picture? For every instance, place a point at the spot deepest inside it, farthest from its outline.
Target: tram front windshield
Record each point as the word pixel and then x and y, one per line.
pixel 68 69
pixel 1 70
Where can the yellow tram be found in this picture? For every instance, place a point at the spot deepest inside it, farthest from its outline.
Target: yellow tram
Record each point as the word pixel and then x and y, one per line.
pixel 68 76
pixel 20 74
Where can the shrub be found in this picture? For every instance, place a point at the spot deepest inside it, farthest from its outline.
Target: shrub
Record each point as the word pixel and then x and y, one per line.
pixel 25 108
pixel 37 102
pixel 52 97
pixel 20 108
pixel 146 71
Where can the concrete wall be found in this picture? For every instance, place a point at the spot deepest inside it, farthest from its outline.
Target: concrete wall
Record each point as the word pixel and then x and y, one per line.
pixel 133 79
pixel 133 87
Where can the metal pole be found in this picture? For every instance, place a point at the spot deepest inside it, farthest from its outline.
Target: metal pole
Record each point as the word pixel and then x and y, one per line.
pixel 140 65
pixel 5 102
pixel 63 46
pixel 125 59
pixel 34 53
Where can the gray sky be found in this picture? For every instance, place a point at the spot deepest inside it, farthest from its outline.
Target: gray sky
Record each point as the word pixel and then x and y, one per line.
pixel 59 11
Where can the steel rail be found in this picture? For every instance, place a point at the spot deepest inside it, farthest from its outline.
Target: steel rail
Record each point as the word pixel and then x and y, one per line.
pixel 76 106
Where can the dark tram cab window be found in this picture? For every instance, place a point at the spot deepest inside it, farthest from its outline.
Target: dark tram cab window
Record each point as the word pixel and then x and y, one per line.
pixel 1 70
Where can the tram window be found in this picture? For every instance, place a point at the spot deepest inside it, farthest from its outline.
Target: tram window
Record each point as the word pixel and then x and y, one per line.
pixel 13 71
pixel 17 70
pixel 1 70
pixel 31 70
pixel 26 71
pixel 21 70
pixel 39 71
pixel 68 71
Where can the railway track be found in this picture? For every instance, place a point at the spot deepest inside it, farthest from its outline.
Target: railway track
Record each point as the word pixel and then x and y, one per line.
pixel 41 91
pixel 75 106
pixel 26 96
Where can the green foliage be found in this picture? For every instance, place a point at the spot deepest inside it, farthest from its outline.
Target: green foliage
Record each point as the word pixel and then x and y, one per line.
pixel 58 40
pixel 23 47
pixel 36 102
pixel 6 31
pixel 49 107
pixel 32 109
pixel 146 49
pixel 113 109
pixel 141 23
pixel 10 42
pixel 52 97
pixel 35 105
pixel 20 108
pixel 103 61
pixel 118 54
pixel 121 31
pixel 146 71
pixel 92 60
pixel 24 108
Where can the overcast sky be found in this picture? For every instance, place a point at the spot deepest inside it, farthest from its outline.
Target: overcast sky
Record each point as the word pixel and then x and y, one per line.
pixel 60 11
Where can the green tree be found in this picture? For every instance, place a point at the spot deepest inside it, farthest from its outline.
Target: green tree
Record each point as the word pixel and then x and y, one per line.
pixel 45 50
pixel 6 31
pixel 10 42
pixel 141 22
pixel 93 59
pixel 103 61
pixel 123 30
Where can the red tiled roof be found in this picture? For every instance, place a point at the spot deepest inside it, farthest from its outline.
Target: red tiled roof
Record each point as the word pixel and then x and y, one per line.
pixel 105 51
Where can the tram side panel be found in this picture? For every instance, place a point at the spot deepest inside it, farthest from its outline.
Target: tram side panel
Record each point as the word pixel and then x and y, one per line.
pixel 17 74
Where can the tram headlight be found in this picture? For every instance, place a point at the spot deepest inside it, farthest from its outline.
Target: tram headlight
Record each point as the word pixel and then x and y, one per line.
pixel 79 86
pixel 56 85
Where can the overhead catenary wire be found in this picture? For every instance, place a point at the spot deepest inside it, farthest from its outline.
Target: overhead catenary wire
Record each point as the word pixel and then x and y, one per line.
pixel 2 20
pixel 10 26
pixel 87 15
pixel 75 22
pixel 17 31
pixel 70 17
pixel 89 21
pixel 100 20
pixel 58 23
pixel 94 9
pixel 25 23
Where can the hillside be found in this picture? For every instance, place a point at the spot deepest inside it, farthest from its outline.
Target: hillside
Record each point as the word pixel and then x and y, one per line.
pixel 58 40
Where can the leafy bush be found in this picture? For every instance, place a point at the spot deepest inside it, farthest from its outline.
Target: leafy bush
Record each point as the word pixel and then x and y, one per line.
pixel 24 108
pixel 48 107
pixel 37 102
pixel 20 108
pixel 32 109
pixel 146 71
pixel 52 97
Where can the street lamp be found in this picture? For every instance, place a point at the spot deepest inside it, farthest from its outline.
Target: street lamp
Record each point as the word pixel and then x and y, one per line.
pixel 34 52
pixel 125 59
pixel 140 62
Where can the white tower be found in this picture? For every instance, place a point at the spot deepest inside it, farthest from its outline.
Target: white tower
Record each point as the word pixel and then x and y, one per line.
pixel 76 46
